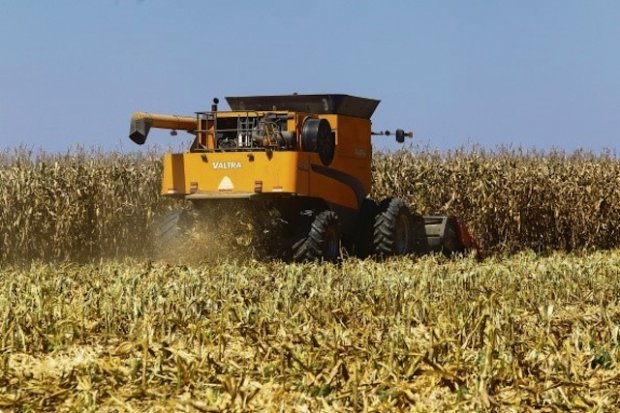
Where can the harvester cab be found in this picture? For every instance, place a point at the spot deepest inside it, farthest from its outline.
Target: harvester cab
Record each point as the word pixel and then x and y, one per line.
pixel 309 158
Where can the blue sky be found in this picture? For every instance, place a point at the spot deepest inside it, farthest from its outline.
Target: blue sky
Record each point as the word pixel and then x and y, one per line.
pixel 536 74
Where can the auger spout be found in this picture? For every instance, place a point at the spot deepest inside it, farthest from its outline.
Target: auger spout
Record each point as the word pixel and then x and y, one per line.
pixel 142 122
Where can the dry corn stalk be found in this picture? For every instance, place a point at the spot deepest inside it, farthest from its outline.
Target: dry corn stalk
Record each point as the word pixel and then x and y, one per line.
pixel 514 334
pixel 86 205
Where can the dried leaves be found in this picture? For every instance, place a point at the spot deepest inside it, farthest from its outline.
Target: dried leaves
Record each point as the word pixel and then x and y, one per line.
pixel 76 206
pixel 429 335
pixel 512 199
pixel 88 205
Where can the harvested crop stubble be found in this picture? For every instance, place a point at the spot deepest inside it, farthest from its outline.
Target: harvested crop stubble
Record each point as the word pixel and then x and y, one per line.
pixel 430 335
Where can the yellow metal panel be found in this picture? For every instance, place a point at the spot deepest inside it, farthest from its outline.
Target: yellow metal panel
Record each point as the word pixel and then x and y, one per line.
pixel 351 169
pixel 329 188
pixel 235 173
pixel 357 134
pixel 303 173
pixel 173 181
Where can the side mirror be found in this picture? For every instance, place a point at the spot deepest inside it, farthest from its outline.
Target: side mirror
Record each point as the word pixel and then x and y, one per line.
pixel 401 135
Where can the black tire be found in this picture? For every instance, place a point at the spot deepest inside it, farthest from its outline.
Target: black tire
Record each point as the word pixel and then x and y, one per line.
pixel 392 229
pixel 319 240
pixel 362 242
pixel 168 232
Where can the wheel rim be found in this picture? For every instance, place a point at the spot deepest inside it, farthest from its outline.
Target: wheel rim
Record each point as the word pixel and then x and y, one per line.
pixel 401 235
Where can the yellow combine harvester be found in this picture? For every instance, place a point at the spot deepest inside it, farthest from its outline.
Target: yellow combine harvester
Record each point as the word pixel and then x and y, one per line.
pixel 309 158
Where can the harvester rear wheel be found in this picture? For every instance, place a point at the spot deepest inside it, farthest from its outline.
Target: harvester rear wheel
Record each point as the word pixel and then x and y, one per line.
pixel 393 230
pixel 319 240
pixel 170 229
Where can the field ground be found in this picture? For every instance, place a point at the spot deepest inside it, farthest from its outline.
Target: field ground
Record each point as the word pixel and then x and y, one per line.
pixel 520 333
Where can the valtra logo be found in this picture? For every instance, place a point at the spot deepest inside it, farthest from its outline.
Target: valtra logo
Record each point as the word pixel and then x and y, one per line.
pixel 226 165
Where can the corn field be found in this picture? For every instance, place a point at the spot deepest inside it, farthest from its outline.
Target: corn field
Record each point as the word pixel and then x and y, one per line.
pixel 91 322
pixel 87 204
pixel 512 199
pixel 76 206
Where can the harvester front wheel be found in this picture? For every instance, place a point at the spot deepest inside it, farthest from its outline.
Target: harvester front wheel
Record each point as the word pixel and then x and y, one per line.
pixel 393 228
pixel 320 241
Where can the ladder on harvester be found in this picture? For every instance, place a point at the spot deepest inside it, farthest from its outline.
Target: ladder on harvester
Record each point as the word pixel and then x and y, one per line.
pixel 204 118
pixel 245 126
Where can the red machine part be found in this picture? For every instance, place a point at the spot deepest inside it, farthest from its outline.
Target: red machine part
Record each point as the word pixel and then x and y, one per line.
pixel 467 239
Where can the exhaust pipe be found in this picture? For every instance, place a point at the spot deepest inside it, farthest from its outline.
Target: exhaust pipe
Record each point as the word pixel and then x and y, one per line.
pixel 142 122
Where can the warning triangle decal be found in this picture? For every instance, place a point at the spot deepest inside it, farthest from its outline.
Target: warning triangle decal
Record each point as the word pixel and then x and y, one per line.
pixel 225 184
